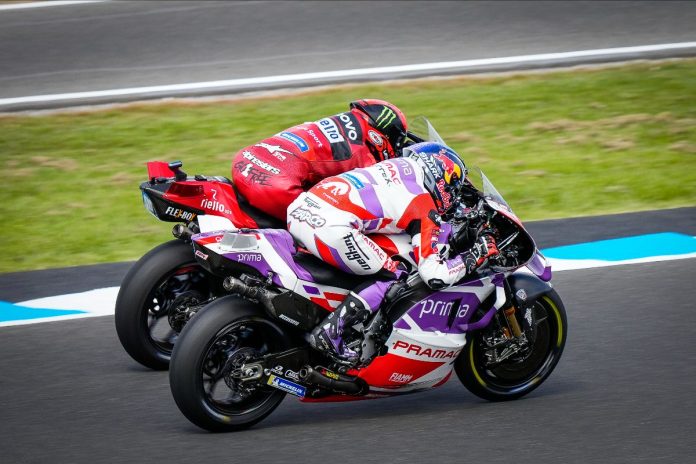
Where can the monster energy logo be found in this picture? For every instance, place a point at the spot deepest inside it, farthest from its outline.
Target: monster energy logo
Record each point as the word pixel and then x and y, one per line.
pixel 385 117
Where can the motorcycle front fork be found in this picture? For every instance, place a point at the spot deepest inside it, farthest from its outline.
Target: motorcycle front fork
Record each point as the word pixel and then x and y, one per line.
pixel 513 328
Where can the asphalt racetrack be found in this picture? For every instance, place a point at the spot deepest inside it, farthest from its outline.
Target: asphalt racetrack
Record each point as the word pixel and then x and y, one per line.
pixel 118 45
pixel 623 391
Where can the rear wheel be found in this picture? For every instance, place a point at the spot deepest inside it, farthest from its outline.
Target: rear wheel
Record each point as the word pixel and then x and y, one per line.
pixel 213 375
pixel 158 296
pixel 490 372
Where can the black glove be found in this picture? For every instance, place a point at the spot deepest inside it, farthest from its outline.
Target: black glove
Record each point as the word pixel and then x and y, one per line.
pixel 484 248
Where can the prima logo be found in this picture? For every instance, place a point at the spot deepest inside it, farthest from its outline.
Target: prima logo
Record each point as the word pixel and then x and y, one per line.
pixel 440 308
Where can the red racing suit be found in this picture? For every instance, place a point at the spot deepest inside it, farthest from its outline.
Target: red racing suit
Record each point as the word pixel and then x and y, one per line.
pixel 274 171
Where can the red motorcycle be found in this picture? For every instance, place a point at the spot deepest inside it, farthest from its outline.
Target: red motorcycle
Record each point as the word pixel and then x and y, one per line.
pixel 166 287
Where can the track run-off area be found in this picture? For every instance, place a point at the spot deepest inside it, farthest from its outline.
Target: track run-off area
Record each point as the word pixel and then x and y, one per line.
pixel 623 391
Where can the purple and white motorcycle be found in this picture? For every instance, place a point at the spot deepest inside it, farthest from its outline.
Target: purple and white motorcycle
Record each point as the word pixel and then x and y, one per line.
pixel 502 331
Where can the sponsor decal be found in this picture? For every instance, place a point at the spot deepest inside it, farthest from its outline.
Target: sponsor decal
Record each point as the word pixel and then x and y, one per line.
pixel 329 128
pixel 440 308
pixel 179 213
pixel 397 377
pixel 201 255
pixel 430 164
pixel 311 203
pixel 296 139
pixel 385 118
pixel 249 257
pixel 521 294
pixel 353 180
pixel 290 374
pixel 349 126
pixel 286 385
pixel 278 370
pixel 214 205
pixel 260 163
pixel 327 373
pixel 305 215
pixel 528 316
pixel 314 136
pixel 404 166
pixel 287 319
pixel 255 175
pixel 337 188
pixel 378 251
pixel 274 150
pixel 449 167
pixel 375 137
pixel 424 351
pixel 389 174
pixel 446 197
pixel 354 253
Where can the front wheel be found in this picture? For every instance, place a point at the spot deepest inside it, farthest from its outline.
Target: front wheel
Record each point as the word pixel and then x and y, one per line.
pixel 483 374
pixel 210 365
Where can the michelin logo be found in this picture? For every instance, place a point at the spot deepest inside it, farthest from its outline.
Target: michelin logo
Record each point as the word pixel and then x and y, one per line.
pixel 296 139
pixel 286 385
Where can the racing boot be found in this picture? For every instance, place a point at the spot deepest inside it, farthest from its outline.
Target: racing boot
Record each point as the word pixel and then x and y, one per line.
pixel 347 320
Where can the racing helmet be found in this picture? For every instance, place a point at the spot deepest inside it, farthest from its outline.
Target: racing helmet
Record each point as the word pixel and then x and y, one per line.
pixel 444 172
pixel 386 119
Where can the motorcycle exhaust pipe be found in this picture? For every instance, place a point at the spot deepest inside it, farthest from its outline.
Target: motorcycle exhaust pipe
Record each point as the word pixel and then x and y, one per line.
pixel 261 294
pixel 338 383
pixel 182 232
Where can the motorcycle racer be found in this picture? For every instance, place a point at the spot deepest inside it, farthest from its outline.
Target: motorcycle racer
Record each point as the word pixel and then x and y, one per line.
pixel 273 172
pixel 406 194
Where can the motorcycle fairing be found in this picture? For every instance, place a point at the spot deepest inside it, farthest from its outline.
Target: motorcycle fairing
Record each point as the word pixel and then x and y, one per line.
pixel 429 328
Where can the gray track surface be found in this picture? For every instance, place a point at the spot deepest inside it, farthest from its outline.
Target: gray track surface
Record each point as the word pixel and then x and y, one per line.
pixel 22 286
pixel 622 393
pixel 131 44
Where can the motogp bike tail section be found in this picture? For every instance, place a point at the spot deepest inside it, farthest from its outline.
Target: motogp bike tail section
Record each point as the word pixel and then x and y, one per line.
pixel 166 287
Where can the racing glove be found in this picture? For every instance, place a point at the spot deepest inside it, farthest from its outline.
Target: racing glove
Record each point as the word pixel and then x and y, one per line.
pixel 483 249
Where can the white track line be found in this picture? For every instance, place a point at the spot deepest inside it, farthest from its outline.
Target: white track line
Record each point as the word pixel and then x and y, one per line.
pixel 231 84
pixel 23 6
pixel 101 301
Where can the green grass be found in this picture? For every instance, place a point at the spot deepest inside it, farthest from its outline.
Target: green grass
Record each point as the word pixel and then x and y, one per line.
pixel 556 144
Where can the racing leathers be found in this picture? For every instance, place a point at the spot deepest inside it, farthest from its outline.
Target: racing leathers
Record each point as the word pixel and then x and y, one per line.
pixel 332 221
pixel 273 172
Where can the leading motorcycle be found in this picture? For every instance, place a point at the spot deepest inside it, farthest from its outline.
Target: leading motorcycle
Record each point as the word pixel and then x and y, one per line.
pixel 166 287
pixel 501 331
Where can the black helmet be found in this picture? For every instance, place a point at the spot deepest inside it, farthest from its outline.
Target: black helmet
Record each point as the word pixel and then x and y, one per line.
pixel 386 118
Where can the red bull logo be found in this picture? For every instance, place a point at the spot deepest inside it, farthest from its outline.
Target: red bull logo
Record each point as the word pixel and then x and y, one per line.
pixel 450 168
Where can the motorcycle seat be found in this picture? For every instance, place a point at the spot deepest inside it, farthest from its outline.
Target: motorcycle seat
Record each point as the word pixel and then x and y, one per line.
pixel 325 274
pixel 263 220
